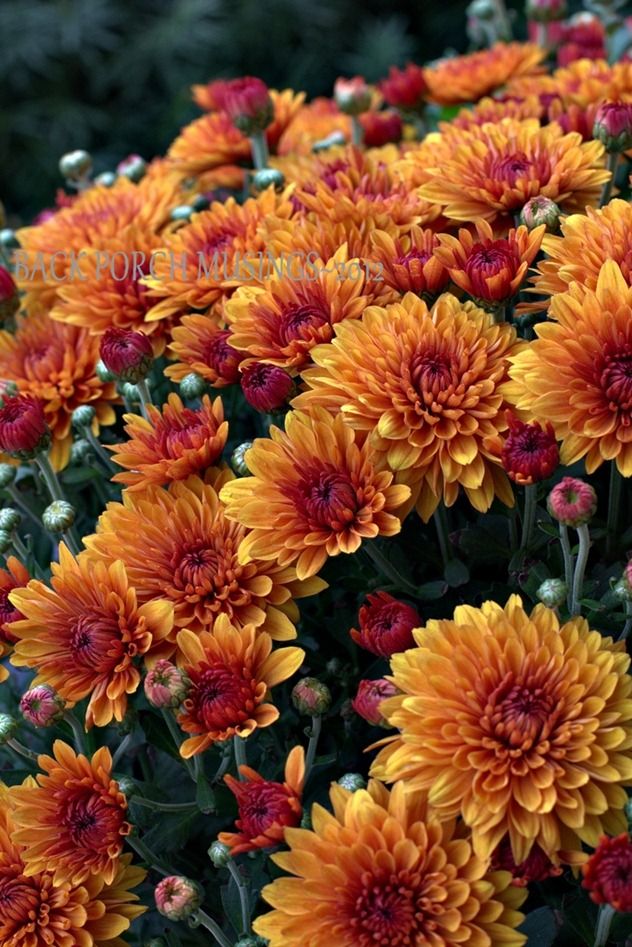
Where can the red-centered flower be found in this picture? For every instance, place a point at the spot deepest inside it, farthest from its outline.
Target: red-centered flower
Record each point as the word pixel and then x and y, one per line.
pixel 248 103
pixel 380 128
pixel 352 96
pixel 265 807
pixel 404 88
pixel 9 297
pixel 201 347
pixel 127 354
pixel 386 625
pixel 530 452
pixel 266 387
pixel 408 263
pixel 369 698
pixel 613 126
pixel 23 428
pixel 608 873
pixel 536 867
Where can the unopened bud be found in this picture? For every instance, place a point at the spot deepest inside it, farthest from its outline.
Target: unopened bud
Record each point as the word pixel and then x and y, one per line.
pixel 352 96
pixel 352 782
pixel 219 854
pixel 177 897
pixel 58 516
pixel 133 167
pixel 613 126
pixel 311 697
pixel 103 372
pixel 105 179
pixel 541 210
pixel 41 706
pixel 8 726
pixel 251 940
pixel 192 386
pixel 238 459
pixel 9 519
pixel 572 502
pixel 80 451
pixel 6 541
pixel 8 474
pixel 166 685
pixel 181 212
pixel 265 177
pixel 127 786
pixel 75 165
pixel 8 239
pixel 83 416
pixel 552 592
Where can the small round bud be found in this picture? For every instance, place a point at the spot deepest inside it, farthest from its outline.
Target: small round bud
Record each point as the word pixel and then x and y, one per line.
pixel 58 516
pixel 306 820
pixel 352 96
pixel 552 592
pixel 219 854
pixel 238 459
pixel 129 392
pixel 105 179
pixel 266 387
pixel 8 239
pixel 268 176
pixel 41 706
pixel 8 473
pixel 181 212
pixel 127 786
pixel 541 210
pixel 177 897
pixel 10 519
pixel 613 126
pixel 621 590
pixel 6 541
pixel 331 141
pixel 572 502
pixel 251 940
pixel 23 428
pixel 80 451
pixel 103 372
pixel 369 698
pixel 482 9
pixel 75 165
pixel 311 697
pixel 166 685
pixel 128 354
pixel 248 103
pixel 201 202
pixel 83 416
pixel 352 782
pixel 192 386
pixel 8 726
pixel 133 167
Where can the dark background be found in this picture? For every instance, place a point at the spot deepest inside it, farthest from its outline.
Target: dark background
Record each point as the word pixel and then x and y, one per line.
pixel 113 76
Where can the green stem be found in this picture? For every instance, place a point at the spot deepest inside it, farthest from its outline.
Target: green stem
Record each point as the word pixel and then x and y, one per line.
pixel 77 731
pixel 614 507
pixel 384 566
pixel 162 806
pixel 440 517
pixel 613 160
pixel 22 750
pixel 174 730
pixel 100 451
pixel 569 563
pixel 580 568
pixel 606 914
pixel 240 753
pixel 224 764
pixel 15 495
pixel 357 132
pixel 145 853
pixel 244 898
pixel 20 549
pixel 317 724
pixel 528 518
pixel 259 149
pixel 121 749
pixel 213 927
pixel 627 628
pixel 145 397
pixel 49 477
pixel 500 315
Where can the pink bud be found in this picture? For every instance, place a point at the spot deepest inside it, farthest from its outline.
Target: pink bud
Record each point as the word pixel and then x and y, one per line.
pixel 41 706
pixel 177 897
pixel 572 502
pixel 352 96
pixel 370 695
pixel 166 685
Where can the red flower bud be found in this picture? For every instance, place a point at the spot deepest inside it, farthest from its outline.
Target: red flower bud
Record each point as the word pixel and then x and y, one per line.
pixel 247 101
pixel 166 685
pixel 127 354
pixel 530 452
pixel 23 428
pixel 9 296
pixel 352 96
pixel 223 359
pixel 613 126
pixel 537 867
pixel 386 625
pixel 266 387
pixel 177 897
pixel 608 873
pixel 572 502
pixel 380 128
pixel 404 88
pixel 369 697
pixel 41 706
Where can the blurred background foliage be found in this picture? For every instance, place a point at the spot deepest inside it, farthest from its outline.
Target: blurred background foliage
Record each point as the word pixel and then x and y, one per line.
pixel 113 76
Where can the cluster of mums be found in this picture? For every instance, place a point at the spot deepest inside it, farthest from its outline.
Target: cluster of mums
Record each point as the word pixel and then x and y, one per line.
pixel 494 349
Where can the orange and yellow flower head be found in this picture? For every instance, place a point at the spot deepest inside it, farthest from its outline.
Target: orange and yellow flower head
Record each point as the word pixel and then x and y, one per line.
pixel 492 170
pixel 381 869
pixel 200 345
pixel 578 372
pixel 424 386
pixel 470 77
pixel 231 672
pixel 517 724
pixel 56 364
pixel 408 263
pixel 85 634
pixel 314 493
pixel 179 545
pixel 172 443
pixel 72 819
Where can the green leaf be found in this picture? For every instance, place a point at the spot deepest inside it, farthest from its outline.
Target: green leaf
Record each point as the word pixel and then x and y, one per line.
pixel 171 832
pixel 540 928
pixel 204 797
pixel 430 591
pixel 456 573
pixel 232 905
pixel 78 475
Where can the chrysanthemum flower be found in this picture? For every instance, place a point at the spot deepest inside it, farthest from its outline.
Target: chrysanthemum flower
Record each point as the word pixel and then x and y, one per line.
pixel 381 128
pixel 529 452
pixel 56 364
pixel 405 89
pixel 386 625
pixel 172 443
pixel 266 388
pixel 85 635
pixel 494 110
pixel 382 870
pixel 494 169
pixel 491 271
pixel 313 494
pixel 519 725
pixel 231 672
pixel 408 263
pixel 425 387
pixel 15 576
pixel 281 320
pixel 266 808
pixel 178 544
pixel 24 432
pixel 608 873
pixel 71 821
pixel 38 912
pixel 201 346
pixel 578 371
pixel 468 78
pixel 313 122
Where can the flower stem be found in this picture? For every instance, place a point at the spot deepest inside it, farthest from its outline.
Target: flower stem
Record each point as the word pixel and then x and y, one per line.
pixel 259 149
pixel 162 806
pixel 244 898
pixel 580 568
pixel 500 315
pixel 440 517
pixel 146 854
pixel 14 493
pixel 606 914
pixel 387 569
pixel 569 563
pixel 357 132
pixel 607 188
pixel 213 927
pixel 145 397
pixel 77 731
pixel 317 723
pixel 224 764
pixel 627 628
pixel 614 506
pixel 20 549
pixel 240 753
pixel 22 750
pixel 175 733
pixel 49 477
pixel 528 518
pixel 100 451
pixel 121 749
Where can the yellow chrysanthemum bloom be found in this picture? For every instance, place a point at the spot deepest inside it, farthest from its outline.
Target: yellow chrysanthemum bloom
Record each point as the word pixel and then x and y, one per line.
pixel 467 78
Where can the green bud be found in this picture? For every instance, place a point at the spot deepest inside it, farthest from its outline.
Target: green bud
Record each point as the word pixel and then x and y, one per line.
pixel 105 179
pixel 75 165
pixel 83 416
pixel 103 372
pixel 219 854
pixel 306 821
pixel 181 212
pixel 80 451
pixel 10 519
pixel 352 782
pixel 129 392
pixel 8 726
pixel 251 940
pixel 127 786
pixel 8 239
pixel 238 459
pixel 482 9
pixel 541 210
pixel 6 540
pixel 552 592
pixel 311 697
pixel 192 386
pixel 133 167
pixel 268 176
pixel 8 473
pixel 621 589
pixel 331 141
pixel 58 516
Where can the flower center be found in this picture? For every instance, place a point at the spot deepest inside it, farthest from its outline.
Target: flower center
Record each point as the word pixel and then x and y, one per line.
pixel 94 643
pixel 7 614
pixel 220 697
pixel 85 818
pixel 261 805
pixel 386 913
pixel 297 320
pixel 616 379
pixel 217 352
pixel 488 260
pixel 432 372
pixel 510 167
pixel 405 259
pixel 19 902
pixel 521 715
pixel 198 567
pixel 330 500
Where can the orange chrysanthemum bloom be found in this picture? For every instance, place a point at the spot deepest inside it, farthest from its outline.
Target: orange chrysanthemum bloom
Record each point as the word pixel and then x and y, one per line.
pixel 231 672
pixel 202 257
pixel 15 576
pixel 470 77
pixel 265 808
pixel 178 544
pixel 491 271
pixel 38 912
pixel 85 635
pixel 578 372
pixel 71 822
pixel 171 444
pixel 281 320
pixel 495 110
pixel 95 217
pixel 314 494
pixel 582 83
pixel 515 723
pixel 408 263
pixel 494 169
pixel 425 387
pixel 200 345
pixel 312 123
pixel 587 242
pixel 383 870
pixel 57 365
